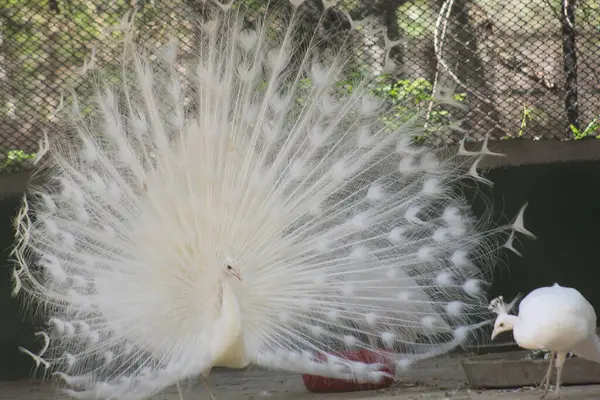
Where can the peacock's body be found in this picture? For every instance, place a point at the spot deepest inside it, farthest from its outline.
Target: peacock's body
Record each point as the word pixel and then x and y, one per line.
pixel 244 218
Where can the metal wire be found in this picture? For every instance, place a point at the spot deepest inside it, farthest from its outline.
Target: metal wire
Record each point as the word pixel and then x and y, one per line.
pixel 528 69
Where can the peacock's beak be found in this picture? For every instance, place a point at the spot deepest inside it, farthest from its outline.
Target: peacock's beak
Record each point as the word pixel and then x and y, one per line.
pixel 237 275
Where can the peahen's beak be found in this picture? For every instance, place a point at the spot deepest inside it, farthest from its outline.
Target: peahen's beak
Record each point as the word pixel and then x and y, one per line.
pixel 494 334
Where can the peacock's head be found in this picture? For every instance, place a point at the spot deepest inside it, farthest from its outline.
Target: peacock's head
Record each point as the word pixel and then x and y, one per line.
pixel 232 271
pixel 230 268
pixel 504 322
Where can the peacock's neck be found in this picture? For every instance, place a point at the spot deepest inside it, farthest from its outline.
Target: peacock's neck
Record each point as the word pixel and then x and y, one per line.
pixel 228 339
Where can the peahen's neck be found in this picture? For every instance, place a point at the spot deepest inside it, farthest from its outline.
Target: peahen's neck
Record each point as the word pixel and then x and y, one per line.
pixel 522 335
pixel 228 340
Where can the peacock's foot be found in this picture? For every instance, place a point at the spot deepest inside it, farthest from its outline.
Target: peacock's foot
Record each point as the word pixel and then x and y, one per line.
pixel 551 396
pixel 547 396
pixel 211 395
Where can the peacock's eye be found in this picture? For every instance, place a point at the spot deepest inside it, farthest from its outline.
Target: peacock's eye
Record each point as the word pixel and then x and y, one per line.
pixel 229 267
pixel 501 325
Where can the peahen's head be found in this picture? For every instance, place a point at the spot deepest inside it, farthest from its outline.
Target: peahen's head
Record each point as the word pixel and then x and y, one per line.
pixel 504 322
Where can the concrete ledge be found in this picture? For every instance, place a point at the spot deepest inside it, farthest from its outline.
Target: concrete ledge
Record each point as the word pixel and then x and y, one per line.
pixel 524 152
pixel 13 184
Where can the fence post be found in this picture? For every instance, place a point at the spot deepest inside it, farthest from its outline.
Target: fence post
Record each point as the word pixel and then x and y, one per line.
pixel 570 63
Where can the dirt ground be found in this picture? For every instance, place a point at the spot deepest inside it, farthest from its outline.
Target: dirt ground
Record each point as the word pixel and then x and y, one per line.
pixel 441 379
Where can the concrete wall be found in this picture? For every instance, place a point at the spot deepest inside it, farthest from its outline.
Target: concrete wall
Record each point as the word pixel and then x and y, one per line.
pixel 564 213
pixel 14 331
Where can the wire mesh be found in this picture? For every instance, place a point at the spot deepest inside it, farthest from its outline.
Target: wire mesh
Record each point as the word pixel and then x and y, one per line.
pixel 527 69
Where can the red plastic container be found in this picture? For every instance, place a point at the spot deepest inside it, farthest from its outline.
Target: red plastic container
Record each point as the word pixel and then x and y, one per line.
pixel 320 384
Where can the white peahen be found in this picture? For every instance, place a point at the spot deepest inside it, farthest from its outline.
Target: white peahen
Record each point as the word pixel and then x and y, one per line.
pixel 554 318
pixel 230 214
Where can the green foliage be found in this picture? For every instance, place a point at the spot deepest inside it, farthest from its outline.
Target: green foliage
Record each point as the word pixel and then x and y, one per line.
pixel 14 160
pixel 542 355
pixel 538 355
pixel 45 48
pixel 406 97
pixel 530 116
pixel 587 14
pixel 527 116
pixel 409 97
pixel 416 18
pixel 589 130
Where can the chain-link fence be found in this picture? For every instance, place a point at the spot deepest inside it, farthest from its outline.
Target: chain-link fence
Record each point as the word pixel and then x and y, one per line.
pixel 529 68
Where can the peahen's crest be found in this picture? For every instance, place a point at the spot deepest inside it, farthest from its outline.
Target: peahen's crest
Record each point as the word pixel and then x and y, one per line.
pixel 242 209
pixel 498 306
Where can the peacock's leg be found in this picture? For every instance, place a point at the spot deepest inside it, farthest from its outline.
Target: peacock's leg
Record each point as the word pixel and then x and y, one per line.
pixel 560 361
pixel 211 396
pixel 546 382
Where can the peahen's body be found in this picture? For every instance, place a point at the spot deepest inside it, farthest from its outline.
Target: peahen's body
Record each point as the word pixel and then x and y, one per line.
pixel 245 218
pixel 554 318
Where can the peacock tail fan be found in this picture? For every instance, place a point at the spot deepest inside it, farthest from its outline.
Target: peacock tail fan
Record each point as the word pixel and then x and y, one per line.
pixel 241 207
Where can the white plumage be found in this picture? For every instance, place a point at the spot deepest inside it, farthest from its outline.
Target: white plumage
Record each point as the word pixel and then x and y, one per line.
pixel 555 318
pixel 228 215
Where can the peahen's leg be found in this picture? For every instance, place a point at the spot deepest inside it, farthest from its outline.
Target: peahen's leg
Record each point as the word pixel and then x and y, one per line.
pixel 546 381
pixel 211 396
pixel 560 362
